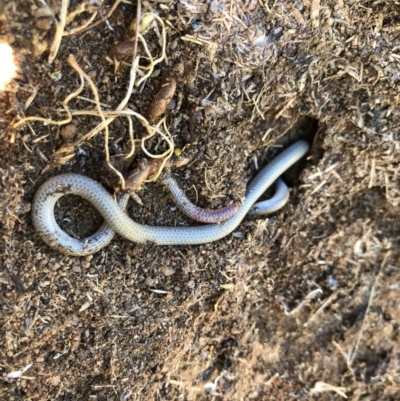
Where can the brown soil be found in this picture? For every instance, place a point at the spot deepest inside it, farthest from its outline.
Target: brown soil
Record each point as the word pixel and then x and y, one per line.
pixel 307 295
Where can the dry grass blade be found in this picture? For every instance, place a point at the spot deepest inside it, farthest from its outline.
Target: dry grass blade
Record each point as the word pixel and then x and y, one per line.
pixel 85 27
pixel 59 31
pixel 321 387
pixel 83 7
pixel 108 117
pixel 65 106
pixel 81 28
pixel 166 155
pixel 74 64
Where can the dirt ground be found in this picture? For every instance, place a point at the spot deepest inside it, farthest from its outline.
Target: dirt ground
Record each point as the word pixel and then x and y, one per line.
pixel 301 305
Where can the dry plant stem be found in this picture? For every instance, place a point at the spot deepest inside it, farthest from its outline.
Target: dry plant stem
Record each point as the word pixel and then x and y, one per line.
pixel 59 31
pixel 78 10
pixel 120 109
pixel 135 60
pixel 64 105
pixel 127 112
pixel 79 29
pixel 108 15
pixel 131 137
pixel 92 101
pixel 163 54
pixel 30 98
pixel 74 64
pixel 146 49
pixel 116 113
pixel 167 154
pixel 121 106
pixel 164 40
pixel 113 115
pixel 150 68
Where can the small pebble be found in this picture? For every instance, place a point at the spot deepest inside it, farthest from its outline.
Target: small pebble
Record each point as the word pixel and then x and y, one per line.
pixel 55 380
pixel 167 271
pixel 43 23
pixel 92 74
pixel 138 312
pixel 68 132
pixel 150 282
pixel 173 45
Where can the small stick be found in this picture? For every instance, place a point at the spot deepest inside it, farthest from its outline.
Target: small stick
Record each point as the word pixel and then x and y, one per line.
pixel 59 31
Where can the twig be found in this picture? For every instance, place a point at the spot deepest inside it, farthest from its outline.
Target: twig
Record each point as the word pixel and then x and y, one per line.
pixel 59 31
pixel 74 64
pixel 108 15
pixel 79 29
pixel 64 105
pixel 135 60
